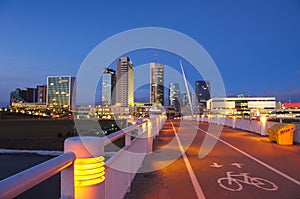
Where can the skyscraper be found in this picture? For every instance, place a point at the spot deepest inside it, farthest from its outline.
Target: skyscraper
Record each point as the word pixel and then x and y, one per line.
pixel 174 94
pixel 125 82
pixel 156 83
pixel 108 86
pixel 202 89
pixel 60 92
pixel 41 92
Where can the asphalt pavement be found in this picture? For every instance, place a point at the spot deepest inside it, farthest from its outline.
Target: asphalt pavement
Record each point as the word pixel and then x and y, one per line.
pixel 240 165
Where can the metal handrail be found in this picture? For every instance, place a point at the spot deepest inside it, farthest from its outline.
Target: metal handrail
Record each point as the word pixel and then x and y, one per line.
pixel 21 182
pixel 116 135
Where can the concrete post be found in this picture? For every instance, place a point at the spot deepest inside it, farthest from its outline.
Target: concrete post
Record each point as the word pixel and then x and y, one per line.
pixel 159 123
pixel 263 125
pixel 233 122
pixel 67 182
pixel 149 137
pixel 128 139
pixel 88 167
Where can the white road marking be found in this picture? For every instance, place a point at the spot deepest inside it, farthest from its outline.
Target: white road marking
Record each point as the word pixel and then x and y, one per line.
pixel 233 182
pixel 192 175
pixel 216 165
pixel 253 158
pixel 238 165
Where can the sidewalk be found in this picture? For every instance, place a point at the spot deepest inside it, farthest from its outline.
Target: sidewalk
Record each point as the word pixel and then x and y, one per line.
pixel 169 182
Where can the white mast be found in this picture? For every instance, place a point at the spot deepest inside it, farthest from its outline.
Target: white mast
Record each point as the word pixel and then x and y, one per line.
pixel 187 90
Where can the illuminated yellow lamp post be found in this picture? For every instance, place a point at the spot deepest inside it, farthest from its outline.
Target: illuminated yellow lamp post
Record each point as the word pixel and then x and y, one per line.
pixel 88 170
pixel 263 125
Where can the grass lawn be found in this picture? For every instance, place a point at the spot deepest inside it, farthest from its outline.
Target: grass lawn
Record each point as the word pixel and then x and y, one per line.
pixel 39 134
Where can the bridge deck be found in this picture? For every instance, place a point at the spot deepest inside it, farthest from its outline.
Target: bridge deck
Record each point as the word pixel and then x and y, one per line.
pixel 241 165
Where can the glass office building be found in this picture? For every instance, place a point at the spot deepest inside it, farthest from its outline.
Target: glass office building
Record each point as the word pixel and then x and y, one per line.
pixel 174 94
pixel 157 83
pixel 202 89
pixel 125 82
pixel 60 91
pixel 108 87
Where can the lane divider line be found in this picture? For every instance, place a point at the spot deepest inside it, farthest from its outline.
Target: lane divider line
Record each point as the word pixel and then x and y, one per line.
pixel 253 158
pixel 195 182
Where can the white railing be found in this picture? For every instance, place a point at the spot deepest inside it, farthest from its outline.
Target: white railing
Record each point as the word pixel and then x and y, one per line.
pixel 244 124
pixel 257 126
pixel 84 173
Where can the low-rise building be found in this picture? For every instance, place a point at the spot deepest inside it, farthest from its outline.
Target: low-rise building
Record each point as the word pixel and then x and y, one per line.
pixel 242 105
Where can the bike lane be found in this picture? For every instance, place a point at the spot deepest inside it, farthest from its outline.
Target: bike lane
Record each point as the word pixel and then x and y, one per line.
pixel 227 173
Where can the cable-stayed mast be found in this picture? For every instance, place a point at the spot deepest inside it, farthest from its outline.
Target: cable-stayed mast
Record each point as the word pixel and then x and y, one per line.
pixel 187 90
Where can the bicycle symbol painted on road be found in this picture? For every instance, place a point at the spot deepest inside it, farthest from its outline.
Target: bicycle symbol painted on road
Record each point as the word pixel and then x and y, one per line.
pixel 233 182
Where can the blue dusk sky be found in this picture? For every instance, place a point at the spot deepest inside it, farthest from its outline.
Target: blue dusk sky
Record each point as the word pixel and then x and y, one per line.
pixel 254 43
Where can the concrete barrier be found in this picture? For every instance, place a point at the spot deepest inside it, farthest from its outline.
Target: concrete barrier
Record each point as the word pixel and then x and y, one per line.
pixel 256 126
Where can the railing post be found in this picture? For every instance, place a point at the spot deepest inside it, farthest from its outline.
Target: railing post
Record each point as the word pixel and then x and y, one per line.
pixel 140 129
pixel 150 130
pixel 87 171
pixel 67 183
pixel 263 125
pixel 233 122
pixel 128 139
pixel 157 125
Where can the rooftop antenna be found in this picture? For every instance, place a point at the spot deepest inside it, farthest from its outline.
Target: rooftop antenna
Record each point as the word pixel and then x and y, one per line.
pixel 187 90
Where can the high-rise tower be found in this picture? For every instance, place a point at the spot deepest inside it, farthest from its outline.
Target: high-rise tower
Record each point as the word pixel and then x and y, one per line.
pixel 156 83
pixel 174 94
pixel 41 92
pixel 60 92
pixel 202 89
pixel 125 82
pixel 108 87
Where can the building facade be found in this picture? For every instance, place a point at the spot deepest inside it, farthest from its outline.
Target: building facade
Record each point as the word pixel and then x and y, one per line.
pixel 60 92
pixel 202 90
pixel 157 83
pixel 125 82
pixel 185 99
pixel 16 97
pixel 174 94
pixel 242 105
pixel 41 94
pixel 108 87
pixel 28 94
